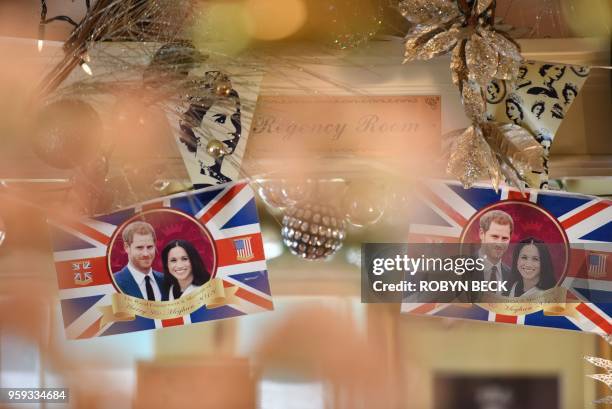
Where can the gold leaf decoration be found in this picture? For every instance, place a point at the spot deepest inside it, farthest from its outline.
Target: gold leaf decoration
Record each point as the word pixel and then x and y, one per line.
pixel 501 44
pixel 459 71
pixel 511 176
pixel 428 11
pixel 439 44
pixel 479 54
pixel 516 144
pixel 474 101
pixel 481 59
pixel 507 68
pixel 418 38
pixel 472 159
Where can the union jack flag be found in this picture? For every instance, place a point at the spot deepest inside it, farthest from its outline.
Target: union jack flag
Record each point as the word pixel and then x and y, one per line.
pixel 587 222
pixel 227 211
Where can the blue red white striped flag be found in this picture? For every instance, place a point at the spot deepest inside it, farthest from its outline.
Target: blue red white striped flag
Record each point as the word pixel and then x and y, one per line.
pixel 446 209
pixel 225 214
pixel 597 265
pixel 243 248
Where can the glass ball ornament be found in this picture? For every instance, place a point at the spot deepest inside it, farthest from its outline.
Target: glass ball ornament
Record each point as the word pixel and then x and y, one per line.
pixel 312 231
pixel 364 206
pixel 272 194
pixel 282 193
pixel 66 133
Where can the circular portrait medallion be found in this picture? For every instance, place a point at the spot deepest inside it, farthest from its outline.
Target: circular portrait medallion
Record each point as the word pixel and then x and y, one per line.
pixel 170 247
pixel 525 240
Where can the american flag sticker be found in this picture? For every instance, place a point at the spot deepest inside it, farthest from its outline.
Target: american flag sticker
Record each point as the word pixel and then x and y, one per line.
pixel 244 251
pixel 597 265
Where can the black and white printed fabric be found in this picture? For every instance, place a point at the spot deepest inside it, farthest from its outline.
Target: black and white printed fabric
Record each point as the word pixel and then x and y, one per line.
pixel 538 101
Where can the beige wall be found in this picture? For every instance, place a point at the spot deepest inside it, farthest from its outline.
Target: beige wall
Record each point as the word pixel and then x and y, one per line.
pixel 430 345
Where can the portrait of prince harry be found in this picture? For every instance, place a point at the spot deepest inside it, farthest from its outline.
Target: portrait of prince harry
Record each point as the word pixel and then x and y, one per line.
pixel 137 278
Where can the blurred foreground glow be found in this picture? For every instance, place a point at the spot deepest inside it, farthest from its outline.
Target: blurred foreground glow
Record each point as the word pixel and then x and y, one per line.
pixel 222 28
pixel 275 19
pixel 272 249
pixel 2 231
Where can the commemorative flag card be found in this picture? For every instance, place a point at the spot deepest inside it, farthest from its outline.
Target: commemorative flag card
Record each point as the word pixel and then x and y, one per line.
pixel 178 260
pixel 543 243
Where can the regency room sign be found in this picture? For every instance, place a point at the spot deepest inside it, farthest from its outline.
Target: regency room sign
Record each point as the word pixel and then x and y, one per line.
pixel 364 127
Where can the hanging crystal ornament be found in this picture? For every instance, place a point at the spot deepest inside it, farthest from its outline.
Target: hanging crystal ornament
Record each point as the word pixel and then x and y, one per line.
pixel 282 193
pixel 312 231
pixel 363 205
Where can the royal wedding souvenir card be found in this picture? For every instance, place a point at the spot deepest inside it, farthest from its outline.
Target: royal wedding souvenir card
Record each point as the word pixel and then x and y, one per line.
pixel 552 251
pixel 177 260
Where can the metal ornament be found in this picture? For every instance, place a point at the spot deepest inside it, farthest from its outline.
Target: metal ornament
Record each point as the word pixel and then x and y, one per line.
pixel 216 149
pixel 312 231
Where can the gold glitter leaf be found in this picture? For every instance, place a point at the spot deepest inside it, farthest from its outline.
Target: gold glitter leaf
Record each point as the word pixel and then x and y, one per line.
pixel 516 144
pixel 472 159
pixel 501 44
pixel 439 44
pixel 507 68
pixel 481 59
pixel 428 11
pixel 417 39
pixel 458 67
pixel 474 102
pixel 511 175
